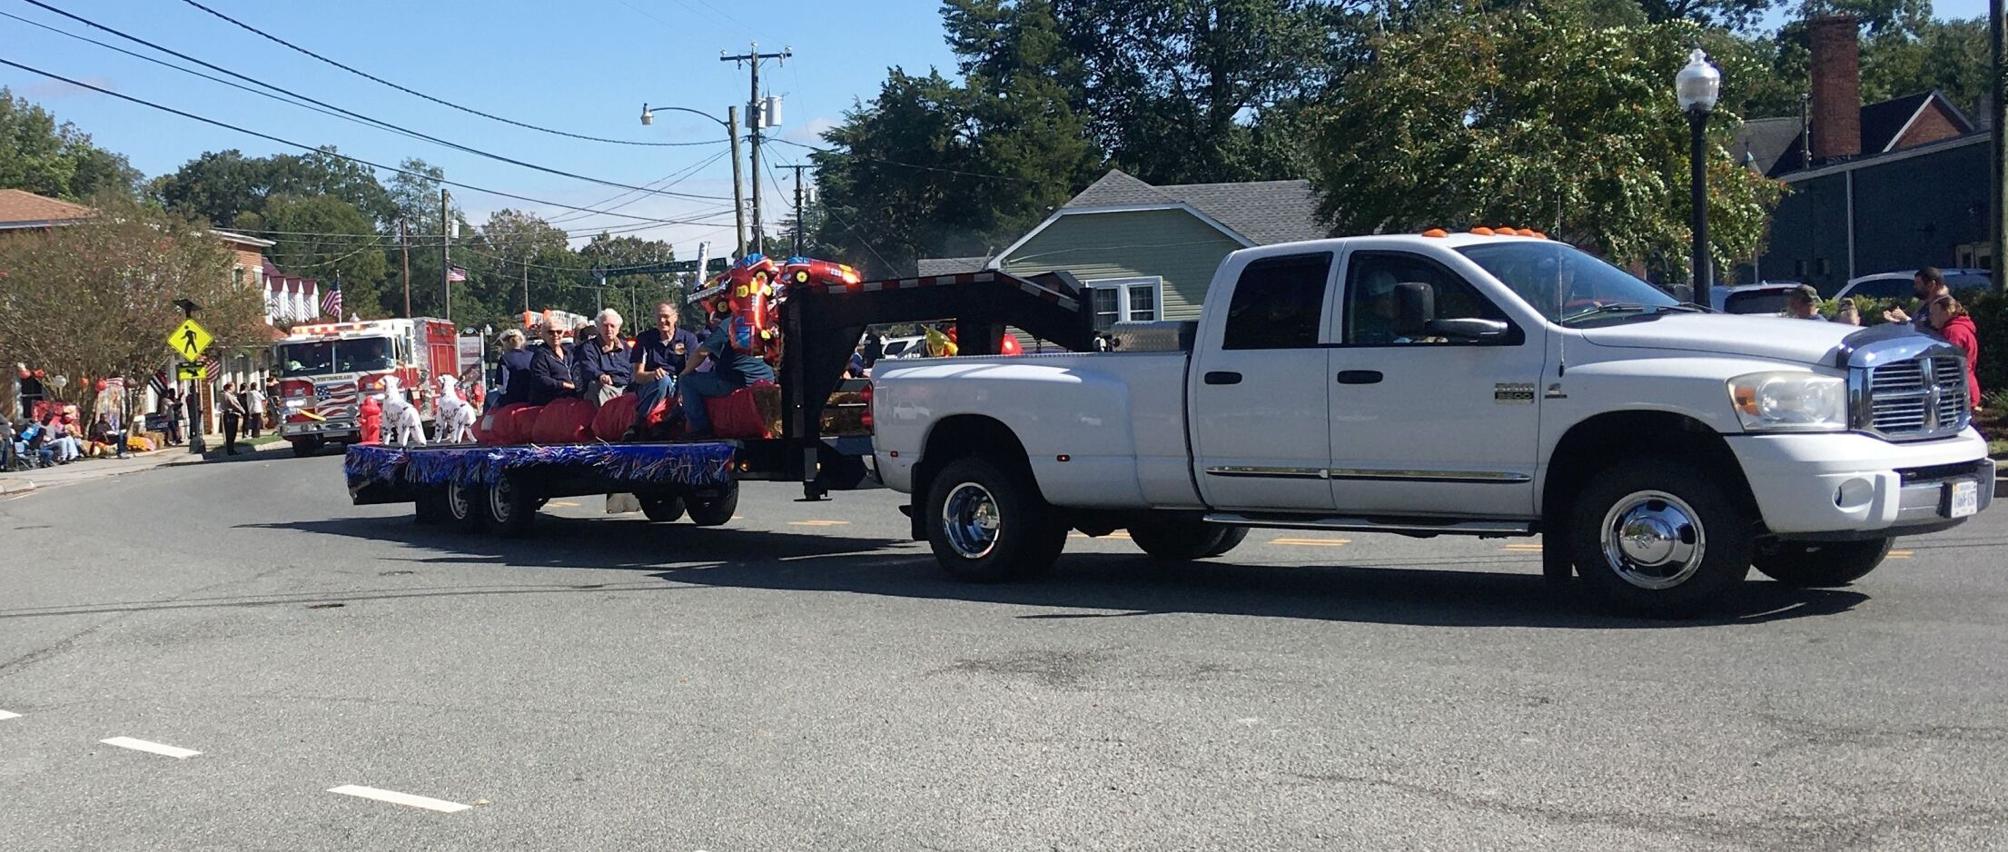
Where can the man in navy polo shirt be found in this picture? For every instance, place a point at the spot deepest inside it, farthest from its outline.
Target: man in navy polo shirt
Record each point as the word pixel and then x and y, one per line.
pixel 659 357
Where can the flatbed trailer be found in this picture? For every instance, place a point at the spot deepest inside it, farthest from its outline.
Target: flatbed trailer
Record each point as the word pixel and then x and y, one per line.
pixel 502 486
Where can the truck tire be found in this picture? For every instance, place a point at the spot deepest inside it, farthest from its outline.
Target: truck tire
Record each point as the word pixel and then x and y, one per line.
pixel 988 525
pixel 1660 537
pixel 509 507
pixel 661 508
pixel 306 447
pixel 1183 540
pixel 462 503
pixel 1820 564
pixel 712 511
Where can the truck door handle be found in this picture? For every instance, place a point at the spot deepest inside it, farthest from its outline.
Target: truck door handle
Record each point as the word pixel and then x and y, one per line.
pixel 1223 377
pixel 1359 377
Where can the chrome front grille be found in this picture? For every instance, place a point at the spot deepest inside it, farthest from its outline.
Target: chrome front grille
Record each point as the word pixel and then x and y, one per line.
pixel 1916 398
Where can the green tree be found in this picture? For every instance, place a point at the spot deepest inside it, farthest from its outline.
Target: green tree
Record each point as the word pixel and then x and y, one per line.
pixel 633 294
pixel 327 238
pixel 1534 120
pixel 1950 56
pixel 104 292
pixel 223 185
pixel 46 158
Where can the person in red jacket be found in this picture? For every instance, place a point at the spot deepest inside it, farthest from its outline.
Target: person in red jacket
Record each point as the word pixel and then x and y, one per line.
pixel 1956 326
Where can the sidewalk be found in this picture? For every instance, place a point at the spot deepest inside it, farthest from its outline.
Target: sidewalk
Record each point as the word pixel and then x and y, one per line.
pixel 85 470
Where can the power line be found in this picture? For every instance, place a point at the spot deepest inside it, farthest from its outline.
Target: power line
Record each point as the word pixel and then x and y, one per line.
pixel 896 162
pixel 418 94
pixel 336 154
pixel 668 180
pixel 378 122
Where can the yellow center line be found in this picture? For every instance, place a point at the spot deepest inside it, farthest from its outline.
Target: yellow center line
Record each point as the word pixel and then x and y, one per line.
pixel 817 523
pixel 1901 554
pixel 566 503
pixel 1118 534
pixel 1311 542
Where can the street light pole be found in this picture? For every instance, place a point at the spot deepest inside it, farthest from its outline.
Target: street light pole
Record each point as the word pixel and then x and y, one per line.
pixel 1698 85
pixel 731 125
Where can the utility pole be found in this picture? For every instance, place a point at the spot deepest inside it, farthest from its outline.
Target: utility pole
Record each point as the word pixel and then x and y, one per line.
pixel 738 184
pixel 1997 108
pixel 798 208
pixel 754 121
pixel 445 253
pixel 404 248
pixel 525 265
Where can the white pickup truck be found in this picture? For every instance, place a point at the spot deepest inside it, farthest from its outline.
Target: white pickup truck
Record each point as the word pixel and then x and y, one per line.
pixel 1450 384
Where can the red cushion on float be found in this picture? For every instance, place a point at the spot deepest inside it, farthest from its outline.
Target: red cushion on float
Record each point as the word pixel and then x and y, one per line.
pixel 493 426
pixel 517 429
pixel 614 418
pixel 736 415
pixel 565 420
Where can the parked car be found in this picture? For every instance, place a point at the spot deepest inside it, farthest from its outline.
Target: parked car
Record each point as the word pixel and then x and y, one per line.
pixel 1897 285
pixel 1450 384
pixel 1766 297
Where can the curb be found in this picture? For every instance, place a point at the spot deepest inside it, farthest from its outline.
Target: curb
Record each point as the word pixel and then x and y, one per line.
pixel 22 487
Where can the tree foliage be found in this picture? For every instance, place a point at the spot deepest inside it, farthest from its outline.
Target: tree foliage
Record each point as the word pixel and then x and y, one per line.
pixel 96 299
pixel 222 185
pixel 1532 120
pixel 46 158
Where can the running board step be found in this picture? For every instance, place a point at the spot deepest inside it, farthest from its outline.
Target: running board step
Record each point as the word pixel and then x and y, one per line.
pixel 1404 526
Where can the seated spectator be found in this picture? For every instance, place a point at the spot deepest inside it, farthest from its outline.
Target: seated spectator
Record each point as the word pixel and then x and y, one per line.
pixel 62 443
pixel 658 357
pixel 104 434
pixel 731 370
pixel 551 373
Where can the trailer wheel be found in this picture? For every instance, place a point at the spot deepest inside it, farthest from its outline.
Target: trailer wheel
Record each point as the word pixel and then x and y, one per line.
pixel 462 503
pixel 988 525
pixel 713 511
pixel 662 509
pixel 510 507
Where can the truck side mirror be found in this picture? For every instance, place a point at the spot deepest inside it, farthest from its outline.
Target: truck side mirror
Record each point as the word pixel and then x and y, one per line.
pixel 1414 307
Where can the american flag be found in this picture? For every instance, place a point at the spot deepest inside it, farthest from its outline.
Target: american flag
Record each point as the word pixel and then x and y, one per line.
pixel 455 273
pixel 331 302
pixel 333 399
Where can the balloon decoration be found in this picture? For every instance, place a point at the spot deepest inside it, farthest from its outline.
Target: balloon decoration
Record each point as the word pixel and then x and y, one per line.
pixel 100 385
pixel 750 291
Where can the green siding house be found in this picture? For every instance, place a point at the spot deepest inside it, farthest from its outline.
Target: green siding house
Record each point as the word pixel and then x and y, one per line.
pixel 1148 252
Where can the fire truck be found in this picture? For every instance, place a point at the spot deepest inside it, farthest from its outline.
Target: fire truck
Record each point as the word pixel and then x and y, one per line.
pixel 326 369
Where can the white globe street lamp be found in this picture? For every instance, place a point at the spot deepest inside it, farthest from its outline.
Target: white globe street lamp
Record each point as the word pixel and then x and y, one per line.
pixel 1699 86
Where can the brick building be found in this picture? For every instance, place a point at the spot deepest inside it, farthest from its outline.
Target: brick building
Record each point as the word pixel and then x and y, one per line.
pixel 1880 187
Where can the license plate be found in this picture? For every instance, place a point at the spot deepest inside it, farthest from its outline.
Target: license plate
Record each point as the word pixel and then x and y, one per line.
pixel 1964 499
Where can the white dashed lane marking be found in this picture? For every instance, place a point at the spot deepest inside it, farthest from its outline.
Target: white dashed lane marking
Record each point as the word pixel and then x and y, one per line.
pixel 4 715
pixel 397 798
pixel 176 752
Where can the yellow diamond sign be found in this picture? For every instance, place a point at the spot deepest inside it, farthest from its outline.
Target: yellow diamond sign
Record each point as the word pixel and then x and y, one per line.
pixel 189 340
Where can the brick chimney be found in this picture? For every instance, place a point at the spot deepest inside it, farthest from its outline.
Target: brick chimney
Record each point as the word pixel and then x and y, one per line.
pixel 1837 87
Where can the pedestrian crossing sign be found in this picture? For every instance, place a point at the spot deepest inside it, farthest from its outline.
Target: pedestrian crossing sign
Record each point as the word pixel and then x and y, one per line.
pixel 189 340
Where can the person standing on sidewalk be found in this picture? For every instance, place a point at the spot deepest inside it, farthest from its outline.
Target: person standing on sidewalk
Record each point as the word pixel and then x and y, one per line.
pixel 170 407
pixel 254 409
pixel 233 417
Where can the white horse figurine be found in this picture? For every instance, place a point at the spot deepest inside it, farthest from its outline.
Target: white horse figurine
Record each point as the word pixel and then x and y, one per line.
pixel 455 423
pixel 401 424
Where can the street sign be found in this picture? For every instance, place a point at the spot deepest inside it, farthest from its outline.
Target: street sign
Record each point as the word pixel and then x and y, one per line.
pixel 189 340
pixel 191 373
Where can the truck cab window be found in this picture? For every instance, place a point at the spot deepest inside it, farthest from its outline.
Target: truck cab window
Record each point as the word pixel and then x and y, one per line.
pixel 1370 310
pixel 1278 303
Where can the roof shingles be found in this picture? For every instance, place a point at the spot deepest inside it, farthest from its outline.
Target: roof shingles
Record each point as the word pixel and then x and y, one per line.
pixel 19 208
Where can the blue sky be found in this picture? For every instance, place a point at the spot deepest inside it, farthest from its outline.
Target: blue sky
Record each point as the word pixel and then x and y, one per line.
pixel 584 66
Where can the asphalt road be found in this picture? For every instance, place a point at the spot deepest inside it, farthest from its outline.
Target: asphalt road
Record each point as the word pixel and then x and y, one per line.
pixel 804 679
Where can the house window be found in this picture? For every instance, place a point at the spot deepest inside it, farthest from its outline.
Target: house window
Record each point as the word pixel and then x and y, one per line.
pixel 1125 300
pixel 237 275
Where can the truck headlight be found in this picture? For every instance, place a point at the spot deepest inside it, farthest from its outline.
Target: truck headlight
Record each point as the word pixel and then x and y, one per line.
pixel 1790 402
pixel 295 403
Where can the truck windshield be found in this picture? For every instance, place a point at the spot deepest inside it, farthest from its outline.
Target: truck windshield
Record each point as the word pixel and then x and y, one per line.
pixel 335 356
pixel 1566 284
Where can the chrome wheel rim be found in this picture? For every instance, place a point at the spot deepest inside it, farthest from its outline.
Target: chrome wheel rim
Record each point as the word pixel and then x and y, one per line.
pixel 457 503
pixel 499 500
pixel 1653 540
pixel 970 520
